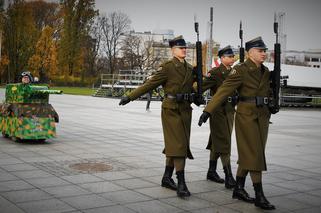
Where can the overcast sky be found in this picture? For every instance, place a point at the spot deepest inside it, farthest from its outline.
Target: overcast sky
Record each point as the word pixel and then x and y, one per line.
pixel 302 20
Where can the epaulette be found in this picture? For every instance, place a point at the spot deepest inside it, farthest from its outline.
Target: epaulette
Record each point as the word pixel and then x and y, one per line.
pixel 190 66
pixel 239 65
pixel 166 62
pixel 265 67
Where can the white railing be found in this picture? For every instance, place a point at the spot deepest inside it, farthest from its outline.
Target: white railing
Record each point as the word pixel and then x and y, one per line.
pixel 122 80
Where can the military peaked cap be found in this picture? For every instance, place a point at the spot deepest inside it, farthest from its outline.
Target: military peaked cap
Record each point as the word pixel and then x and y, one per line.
pixel 177 42
pixel 255 43
pixel 226 51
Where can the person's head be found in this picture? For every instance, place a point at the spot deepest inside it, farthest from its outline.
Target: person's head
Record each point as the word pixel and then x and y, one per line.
pixel 26 77
pixel 226 55
pixel 178 46
pixel 256 49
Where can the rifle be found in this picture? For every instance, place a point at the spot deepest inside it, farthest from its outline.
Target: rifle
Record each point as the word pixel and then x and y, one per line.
pixel 241 48
pixel 198 69
pixel 276 73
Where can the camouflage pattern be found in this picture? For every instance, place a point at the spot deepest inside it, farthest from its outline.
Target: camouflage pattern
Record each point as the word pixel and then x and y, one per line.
pixel 26 113
pixel 28 128
pixel 27 93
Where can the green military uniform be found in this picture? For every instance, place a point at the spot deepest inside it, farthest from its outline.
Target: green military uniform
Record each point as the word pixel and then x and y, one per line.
pixel 251 122
pixel 176 78
pixel 252 81
pixel 221 121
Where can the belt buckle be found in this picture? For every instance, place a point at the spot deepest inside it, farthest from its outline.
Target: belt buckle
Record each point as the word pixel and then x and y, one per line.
pixel 265 100
pixel 186 96
pixel 229 99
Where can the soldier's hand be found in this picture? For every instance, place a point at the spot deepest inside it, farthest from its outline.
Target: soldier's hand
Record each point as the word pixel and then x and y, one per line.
pixel 274 110
pixel 124 100
pixel 203 118
pixel 199 100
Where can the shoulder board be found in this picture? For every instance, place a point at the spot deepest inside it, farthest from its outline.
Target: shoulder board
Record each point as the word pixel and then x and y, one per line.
pixel 164 64
pixel 234 71
pixel 189 65
pixel 265 68
pixel 239 65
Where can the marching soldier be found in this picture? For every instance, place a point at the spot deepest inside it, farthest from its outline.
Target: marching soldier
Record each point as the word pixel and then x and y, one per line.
pixel 176 77
pixel 221 121
pixel 252 81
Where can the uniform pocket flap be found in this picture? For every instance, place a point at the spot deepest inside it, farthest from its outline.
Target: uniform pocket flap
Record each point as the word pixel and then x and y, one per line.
pixel 169 104
pixel 244 110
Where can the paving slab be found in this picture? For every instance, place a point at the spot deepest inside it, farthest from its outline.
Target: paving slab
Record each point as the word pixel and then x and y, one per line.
pixel 39 177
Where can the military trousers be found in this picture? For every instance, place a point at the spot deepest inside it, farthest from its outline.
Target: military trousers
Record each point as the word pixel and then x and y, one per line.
pixel 177 162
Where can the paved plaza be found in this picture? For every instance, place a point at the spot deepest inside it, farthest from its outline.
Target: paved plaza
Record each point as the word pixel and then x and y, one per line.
pixel 39 177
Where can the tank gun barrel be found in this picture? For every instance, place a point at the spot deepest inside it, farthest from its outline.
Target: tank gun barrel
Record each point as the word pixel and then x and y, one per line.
pixel 44 90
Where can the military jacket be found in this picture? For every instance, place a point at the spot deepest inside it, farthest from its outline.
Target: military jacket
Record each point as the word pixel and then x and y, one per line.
pixel 175 77
pixel 251 122
pixel 221 121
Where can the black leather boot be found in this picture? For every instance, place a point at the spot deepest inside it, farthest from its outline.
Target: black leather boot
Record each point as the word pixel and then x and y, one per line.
pixel 229 179
pixel 239 191
pixel 212 174
pixel 167 180
pixel 182 190
pixel 260 199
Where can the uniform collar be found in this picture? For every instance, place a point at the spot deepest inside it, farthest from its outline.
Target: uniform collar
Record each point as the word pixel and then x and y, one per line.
pixel 251 65
pixel 178 61
pixel 222 66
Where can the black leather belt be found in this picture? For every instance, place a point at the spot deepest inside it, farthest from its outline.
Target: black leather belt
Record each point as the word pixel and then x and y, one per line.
pixel 179 97
pixel 232 100
pixel 258 100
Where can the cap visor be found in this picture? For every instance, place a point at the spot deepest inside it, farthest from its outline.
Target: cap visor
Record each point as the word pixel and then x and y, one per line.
pixel 178 46
pixel 228 55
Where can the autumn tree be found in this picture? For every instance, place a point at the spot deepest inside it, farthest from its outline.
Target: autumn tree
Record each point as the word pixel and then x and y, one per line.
pixel 20 36
pixel 44 13
pixel 3 63
pixel 44 61
pixel 77 15
pixel 92 45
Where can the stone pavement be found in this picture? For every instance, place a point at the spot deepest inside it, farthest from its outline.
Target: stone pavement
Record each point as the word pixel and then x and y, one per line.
pixel 37 177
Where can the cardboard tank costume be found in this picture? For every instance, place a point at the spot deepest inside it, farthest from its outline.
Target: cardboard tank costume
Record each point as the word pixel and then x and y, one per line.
pixel 27 114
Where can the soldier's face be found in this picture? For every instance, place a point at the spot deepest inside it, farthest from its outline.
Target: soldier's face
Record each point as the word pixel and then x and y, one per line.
pixel 228 60
pixel 25 80
pixel 179 52
pixel 258 55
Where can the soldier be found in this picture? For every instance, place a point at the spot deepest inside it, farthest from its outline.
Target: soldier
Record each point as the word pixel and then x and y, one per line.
pixel 176 77
pixel 149 95
pixel 221 121
pixel 252 81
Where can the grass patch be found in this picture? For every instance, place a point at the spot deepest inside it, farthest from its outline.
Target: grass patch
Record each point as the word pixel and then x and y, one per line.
pixel 75 90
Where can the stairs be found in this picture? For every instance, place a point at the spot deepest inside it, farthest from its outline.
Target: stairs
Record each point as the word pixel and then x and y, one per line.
pixel 103 92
